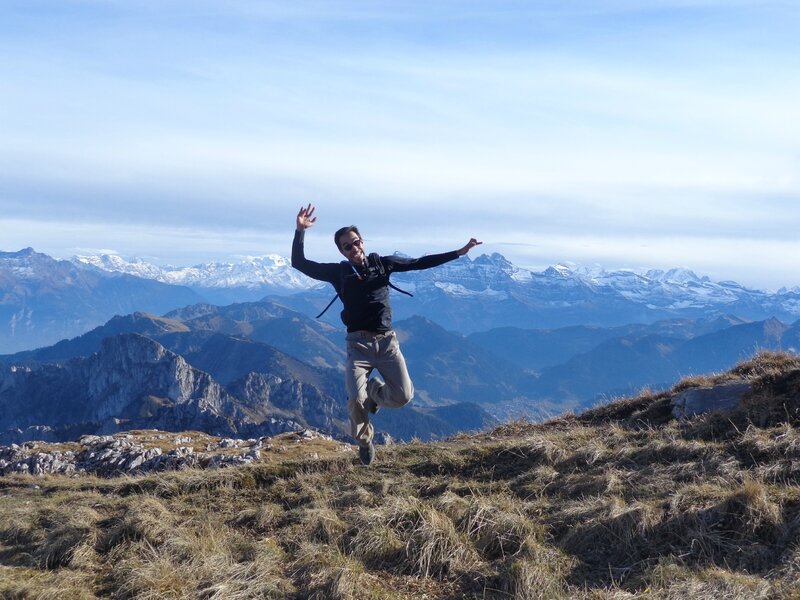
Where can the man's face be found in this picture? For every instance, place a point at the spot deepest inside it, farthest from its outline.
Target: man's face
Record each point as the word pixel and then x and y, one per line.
pixel 351 247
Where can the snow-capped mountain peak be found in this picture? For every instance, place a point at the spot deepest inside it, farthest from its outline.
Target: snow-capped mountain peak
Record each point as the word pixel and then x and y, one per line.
pixel 252 272
pixel 562 270
pixel 116 264
pixel 677 275
pixel 466 294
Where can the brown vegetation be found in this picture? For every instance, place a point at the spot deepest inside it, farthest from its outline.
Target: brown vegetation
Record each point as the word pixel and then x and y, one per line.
pixel 622 501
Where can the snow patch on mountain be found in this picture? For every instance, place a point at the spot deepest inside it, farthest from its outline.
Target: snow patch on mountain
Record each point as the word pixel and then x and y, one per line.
pixel 455 289
pixel 116 264
pixel 252 272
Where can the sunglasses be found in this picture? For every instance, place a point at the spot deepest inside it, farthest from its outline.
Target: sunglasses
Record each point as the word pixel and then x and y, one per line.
pixel 347 246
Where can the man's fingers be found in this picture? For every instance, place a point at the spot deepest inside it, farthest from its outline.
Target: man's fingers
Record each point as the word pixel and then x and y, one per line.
pixel 306 211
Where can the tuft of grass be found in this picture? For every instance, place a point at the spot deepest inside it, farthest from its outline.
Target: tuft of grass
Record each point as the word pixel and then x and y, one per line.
pixel 434 548
pixel 497 526
pixel 670 579
pixel 376 544
pixel 774 401
pixel 260 518
pixel 540 573
pixel 354 496
pixel 201 560
pixel 644 410
pixel 319 524
pixel 23 583
pixel 71 540
pixel 766 366
pixel 139 518
pixel 327 574
pixel 610 534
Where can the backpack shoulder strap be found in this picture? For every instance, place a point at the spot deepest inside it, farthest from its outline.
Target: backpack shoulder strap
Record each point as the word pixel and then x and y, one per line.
pixel 376 259
pixel 324 310
pixel 342 266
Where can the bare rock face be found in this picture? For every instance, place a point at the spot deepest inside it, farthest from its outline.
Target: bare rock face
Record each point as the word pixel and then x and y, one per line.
pixel 130 366
pixel 266 394
pixel 133 382
pixel 697 401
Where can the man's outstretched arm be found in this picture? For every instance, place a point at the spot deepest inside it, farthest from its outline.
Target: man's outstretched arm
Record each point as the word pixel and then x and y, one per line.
pixel 429 260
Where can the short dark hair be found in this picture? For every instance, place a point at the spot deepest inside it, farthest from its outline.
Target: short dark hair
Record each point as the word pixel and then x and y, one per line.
pixel 340 232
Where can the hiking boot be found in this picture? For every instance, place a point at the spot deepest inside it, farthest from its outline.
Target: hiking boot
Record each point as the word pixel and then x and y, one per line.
pixel 367 453
pixel 370 406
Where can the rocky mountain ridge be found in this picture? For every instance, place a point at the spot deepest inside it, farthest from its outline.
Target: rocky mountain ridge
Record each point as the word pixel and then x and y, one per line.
pixel 144 371
pixel 132 382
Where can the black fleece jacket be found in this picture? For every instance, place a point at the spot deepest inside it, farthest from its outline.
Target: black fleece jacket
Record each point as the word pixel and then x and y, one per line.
pixel 364 293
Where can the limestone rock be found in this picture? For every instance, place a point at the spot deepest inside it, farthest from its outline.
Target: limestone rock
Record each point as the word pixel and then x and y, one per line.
pixel 696 401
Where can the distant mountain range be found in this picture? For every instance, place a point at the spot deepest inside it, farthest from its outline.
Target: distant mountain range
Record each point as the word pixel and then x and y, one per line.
pixel 271 271
pixel 469 295
pixel 44 300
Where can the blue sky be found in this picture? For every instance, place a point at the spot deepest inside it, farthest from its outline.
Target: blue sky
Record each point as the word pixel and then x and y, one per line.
pixel 621 133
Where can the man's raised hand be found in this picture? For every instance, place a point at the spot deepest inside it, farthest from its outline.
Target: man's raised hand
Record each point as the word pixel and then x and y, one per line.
pixel 306 218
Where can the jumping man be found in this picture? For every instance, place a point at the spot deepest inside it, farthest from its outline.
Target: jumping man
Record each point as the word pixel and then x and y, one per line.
pixel 362 283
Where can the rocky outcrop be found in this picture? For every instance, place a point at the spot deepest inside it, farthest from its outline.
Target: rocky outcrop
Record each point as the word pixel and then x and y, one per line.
pixel 130 368
pixel 108 456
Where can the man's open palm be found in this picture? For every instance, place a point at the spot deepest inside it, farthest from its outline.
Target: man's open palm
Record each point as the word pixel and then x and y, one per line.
pixel 306 218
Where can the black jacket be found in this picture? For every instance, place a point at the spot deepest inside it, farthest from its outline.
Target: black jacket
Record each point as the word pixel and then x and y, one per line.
pixel 364 294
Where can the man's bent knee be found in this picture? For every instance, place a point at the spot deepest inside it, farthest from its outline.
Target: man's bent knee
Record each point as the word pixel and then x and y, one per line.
pixel 400 396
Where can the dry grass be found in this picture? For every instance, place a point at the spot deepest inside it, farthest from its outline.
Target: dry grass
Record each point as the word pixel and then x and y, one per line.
pixel 538 574
pixel 618 502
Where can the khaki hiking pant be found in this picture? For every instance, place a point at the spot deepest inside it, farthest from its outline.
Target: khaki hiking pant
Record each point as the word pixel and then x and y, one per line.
pixel 367 351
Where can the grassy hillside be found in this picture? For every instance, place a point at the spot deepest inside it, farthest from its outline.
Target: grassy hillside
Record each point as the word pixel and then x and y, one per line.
pixel 618 502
